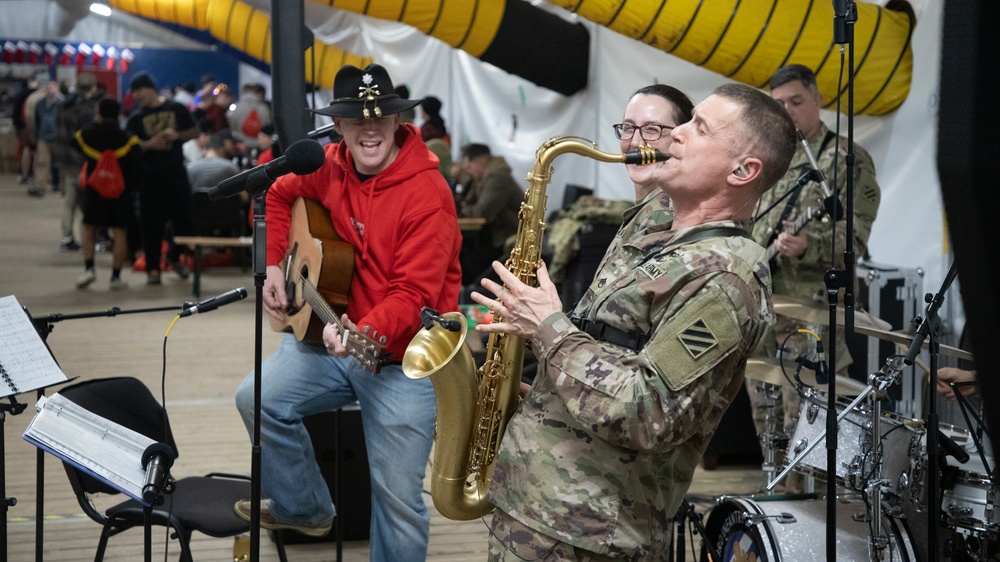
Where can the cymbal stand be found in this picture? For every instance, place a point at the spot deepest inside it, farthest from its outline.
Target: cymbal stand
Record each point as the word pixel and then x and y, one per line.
pixel 892 368
pixel 930 325
pixel 772 437
pixel 880 382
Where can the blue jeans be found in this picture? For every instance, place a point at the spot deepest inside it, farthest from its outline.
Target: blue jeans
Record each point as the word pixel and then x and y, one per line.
pixel 398 419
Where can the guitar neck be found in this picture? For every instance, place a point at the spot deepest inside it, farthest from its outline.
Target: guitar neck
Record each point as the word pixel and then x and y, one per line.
pixel 366 350
pixel 796 226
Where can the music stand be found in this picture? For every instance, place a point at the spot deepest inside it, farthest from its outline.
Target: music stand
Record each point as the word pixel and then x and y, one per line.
pixel 26 364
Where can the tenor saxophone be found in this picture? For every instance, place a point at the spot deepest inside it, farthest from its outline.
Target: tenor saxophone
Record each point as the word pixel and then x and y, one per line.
pixel 473 409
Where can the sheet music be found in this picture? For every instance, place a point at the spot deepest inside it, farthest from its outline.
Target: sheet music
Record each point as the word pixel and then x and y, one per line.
pixel 108 451
pixel 25 362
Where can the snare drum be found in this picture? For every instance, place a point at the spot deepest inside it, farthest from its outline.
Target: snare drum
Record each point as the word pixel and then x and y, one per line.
pixel 969 504
pixel 900 443
pixel 741 529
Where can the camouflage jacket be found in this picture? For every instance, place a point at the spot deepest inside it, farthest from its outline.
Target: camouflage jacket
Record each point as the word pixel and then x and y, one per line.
pixel 803 276
pixel 602 450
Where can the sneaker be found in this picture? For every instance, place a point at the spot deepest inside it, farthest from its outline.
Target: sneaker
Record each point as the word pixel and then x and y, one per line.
pixel 68 245
pixel 153 279
pixel 180 269
pixel 85 279
pixel 35 192
pixel 267 521
pixel 117 284
pixel 24 180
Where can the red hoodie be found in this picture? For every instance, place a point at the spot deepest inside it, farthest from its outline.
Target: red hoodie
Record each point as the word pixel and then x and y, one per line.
pixel 402 224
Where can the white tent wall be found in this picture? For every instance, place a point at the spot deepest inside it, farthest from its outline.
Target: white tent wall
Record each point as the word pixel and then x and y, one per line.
pixel 514 117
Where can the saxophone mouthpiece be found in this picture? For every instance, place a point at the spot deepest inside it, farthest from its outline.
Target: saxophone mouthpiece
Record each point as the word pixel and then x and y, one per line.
pixel 645 156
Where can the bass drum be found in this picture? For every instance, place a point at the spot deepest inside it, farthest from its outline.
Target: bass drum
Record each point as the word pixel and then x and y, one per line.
pixel 741 529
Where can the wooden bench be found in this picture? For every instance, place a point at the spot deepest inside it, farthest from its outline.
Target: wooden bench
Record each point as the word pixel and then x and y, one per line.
pixel 198 243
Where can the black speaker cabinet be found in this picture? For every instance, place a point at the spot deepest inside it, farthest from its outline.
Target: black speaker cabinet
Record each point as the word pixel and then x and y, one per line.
pixel 354 508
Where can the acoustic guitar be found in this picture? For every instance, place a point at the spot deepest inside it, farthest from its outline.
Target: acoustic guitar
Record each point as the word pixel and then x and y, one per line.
pixel 318 271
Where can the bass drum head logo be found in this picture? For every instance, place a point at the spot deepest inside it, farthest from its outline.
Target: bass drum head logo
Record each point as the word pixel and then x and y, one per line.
pixel 740 542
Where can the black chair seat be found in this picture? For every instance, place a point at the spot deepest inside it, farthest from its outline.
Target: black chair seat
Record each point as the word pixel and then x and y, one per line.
pixel 198 503
pixel 203 504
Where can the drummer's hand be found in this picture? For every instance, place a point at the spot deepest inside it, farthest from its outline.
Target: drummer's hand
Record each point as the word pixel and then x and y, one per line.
pixel 948 375
pixel 792 246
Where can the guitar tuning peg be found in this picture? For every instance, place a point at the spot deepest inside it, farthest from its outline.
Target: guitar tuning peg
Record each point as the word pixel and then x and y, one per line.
pixel 368 330
pixel 382 340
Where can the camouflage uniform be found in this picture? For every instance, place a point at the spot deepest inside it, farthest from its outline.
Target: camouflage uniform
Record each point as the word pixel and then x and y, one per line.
pixel 803 277
pixel 602 450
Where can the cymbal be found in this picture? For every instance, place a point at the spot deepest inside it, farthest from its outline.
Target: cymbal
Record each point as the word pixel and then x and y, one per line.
pixel 815 312
pixel 904 339
pixel 768 370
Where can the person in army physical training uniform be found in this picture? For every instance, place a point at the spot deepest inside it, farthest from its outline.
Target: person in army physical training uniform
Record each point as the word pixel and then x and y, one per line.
pixel 598 456
pixel 803 257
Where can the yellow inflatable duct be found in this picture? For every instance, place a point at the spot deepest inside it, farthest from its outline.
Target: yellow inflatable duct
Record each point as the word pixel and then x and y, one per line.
pixel 244 28
pixel 747 40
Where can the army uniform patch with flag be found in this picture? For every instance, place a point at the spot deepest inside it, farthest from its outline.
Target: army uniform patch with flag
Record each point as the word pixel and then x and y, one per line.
pixel 697 338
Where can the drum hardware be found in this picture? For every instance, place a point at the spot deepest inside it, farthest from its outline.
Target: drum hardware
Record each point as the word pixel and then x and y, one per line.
pixel 877 382
pixel 772 438
pixel 783 518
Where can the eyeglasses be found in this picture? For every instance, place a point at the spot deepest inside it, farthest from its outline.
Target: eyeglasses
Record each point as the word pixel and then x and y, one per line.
pixel 648 133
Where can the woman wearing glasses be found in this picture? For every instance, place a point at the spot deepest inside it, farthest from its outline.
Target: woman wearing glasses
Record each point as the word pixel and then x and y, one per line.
pixel 651 113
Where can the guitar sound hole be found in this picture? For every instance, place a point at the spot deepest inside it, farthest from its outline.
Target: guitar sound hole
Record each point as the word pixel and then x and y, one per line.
pixel 293 292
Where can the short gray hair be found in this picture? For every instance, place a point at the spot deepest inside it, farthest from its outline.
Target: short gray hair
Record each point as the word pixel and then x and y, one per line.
pixel 767 132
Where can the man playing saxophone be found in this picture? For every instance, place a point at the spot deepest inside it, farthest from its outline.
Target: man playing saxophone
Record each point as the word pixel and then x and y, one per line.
pixel 631 386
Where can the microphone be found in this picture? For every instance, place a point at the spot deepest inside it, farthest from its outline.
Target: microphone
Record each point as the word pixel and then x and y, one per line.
pixel 156 460
pixel 321 132
pixel 303 157
pixel 831 203
pixel 211 304
pixel 644 156
pixel 822 369
pixel 952 448
pixel 428 316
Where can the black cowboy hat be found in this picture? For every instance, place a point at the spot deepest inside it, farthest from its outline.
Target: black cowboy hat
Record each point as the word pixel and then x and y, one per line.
pixel 364 94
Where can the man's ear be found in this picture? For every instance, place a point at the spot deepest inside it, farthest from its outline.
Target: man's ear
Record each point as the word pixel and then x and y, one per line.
pixel 746 172
pixel 336 126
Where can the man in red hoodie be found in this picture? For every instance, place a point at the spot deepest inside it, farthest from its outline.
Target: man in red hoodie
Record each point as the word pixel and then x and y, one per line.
pixel 387 199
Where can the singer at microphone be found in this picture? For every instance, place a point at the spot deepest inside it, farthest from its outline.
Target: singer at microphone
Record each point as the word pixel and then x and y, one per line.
pixel 380 191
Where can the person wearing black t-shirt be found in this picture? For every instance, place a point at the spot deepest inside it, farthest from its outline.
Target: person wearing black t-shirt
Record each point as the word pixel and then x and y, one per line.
pixel 164 193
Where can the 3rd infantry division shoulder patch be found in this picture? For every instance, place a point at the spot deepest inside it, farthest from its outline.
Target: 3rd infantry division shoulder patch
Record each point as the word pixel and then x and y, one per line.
pixel 697 338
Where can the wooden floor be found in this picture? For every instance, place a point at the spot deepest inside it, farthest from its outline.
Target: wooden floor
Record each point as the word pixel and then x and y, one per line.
pixel 207 356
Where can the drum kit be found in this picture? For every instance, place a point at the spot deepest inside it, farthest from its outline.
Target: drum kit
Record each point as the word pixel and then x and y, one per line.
pixel 882 472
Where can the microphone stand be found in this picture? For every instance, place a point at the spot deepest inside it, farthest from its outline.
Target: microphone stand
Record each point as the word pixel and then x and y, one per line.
pixel 845 15
pixel 257 186
pixel 930 325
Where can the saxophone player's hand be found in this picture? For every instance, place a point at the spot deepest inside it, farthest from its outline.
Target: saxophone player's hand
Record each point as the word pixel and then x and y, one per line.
pixel 522 307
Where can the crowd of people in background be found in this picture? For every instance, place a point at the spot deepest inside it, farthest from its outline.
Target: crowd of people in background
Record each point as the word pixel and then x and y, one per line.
pixel 189 138
pixel 195 135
